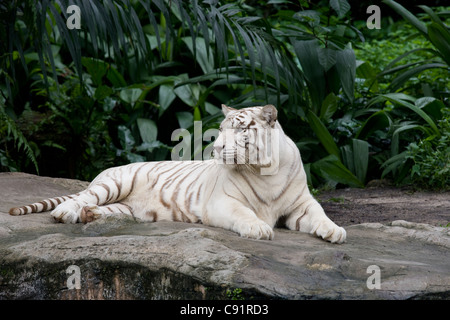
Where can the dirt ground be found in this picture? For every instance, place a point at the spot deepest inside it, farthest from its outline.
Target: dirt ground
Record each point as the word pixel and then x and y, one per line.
pixel 385 204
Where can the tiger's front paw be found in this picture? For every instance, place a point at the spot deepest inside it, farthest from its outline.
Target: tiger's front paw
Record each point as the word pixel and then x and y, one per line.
pixel 329 231
pixel 255 229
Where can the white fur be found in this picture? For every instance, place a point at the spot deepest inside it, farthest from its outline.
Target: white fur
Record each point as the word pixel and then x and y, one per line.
pixel 215 192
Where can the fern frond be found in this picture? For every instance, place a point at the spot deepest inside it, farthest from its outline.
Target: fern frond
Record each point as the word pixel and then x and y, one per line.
pixel 19 139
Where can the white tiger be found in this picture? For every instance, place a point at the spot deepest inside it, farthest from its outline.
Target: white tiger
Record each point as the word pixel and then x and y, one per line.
pixel 227 192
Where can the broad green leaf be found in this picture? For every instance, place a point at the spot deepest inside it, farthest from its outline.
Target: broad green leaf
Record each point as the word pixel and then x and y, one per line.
pixel 408 16
pixel 155 81
pixel 153 40
pixel 185 119
pixel 355 157
pixel 166 97
pixel 322 134
pixel 96 68
pixel 432 14
pixel 424 101
pixel 147 129
pixel 377 121
pixel 396 134
pixel 331 168
pixel 395 98
pixel 102 92
pixel 440 37
pixel 346 68
pixel 431 106
pixel 115 78
pixel 398 95
pixel 329 107
pixel 405 76
pixel 340 6
pixel 393 163
pixel 366 71
pixel 327 57
pixel 150 146
pixel 360 158
pixel 203 55
pixel 130 95
pixel 134 157
pixel 347 157
pixel 188 93
pixel 306 52
pixel 125 137
pixel 211 109
pixel 311 17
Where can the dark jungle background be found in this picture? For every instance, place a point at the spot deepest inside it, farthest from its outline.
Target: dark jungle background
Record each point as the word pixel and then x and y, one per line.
pixel 360 103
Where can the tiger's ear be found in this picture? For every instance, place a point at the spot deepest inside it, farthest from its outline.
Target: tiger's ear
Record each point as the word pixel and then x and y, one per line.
pixel 226 109
pixel 270 113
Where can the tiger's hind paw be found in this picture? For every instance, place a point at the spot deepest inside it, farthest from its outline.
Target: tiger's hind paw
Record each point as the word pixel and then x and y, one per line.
pixel 67 212
pixel 90 213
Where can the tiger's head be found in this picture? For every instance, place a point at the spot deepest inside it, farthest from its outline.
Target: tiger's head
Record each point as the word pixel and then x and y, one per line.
pixel 248 139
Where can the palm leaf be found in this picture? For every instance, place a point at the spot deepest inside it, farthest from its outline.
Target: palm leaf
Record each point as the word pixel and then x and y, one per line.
pixel 397 98
pixel 408 16
pixel 109 25
pixel 405 76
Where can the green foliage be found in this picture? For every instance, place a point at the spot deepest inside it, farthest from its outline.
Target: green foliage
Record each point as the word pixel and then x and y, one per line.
pixel 431 158
pixel 8 132
pixel 403 118
pixel 385 60
pixel 75 102
pixel 235 294
pixel 438 56
pixel 318 45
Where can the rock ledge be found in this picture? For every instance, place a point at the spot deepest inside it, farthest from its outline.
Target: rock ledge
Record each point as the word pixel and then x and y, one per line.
pixel 119 258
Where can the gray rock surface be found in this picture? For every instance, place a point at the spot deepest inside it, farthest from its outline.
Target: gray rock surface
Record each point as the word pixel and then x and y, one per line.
pixel 119 258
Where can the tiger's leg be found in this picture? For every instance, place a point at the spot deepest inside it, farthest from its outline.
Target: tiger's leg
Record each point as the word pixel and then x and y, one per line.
pixel 90 213
pixel 70 210
pixel 310 217
pixel 239 219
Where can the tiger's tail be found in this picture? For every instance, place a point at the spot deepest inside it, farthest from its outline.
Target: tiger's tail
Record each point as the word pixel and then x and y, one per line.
pixel 41 206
